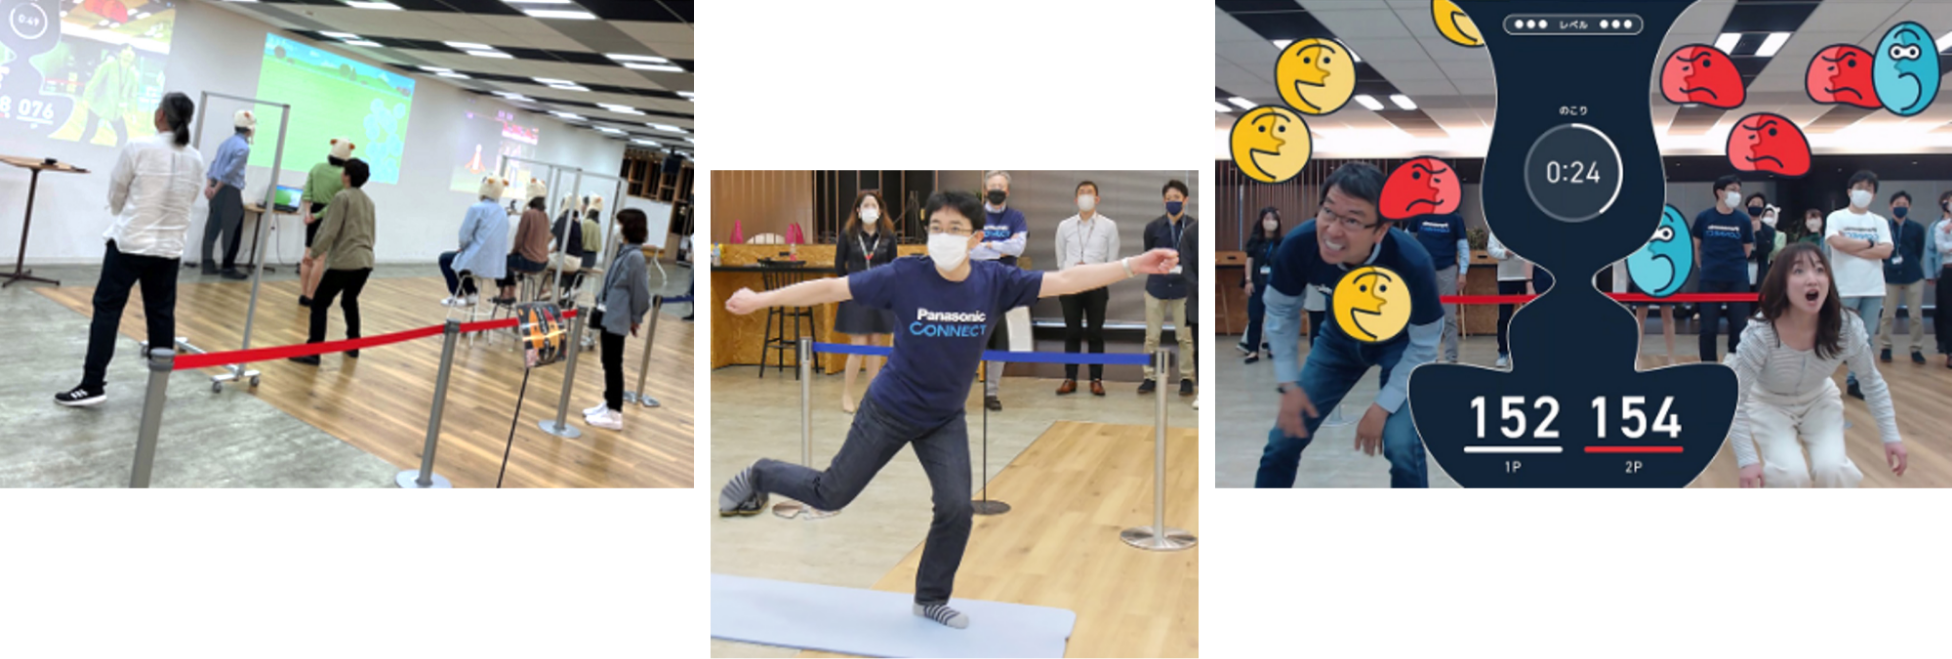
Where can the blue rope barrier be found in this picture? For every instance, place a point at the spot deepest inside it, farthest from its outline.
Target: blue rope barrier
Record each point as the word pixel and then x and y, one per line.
pixel 1115 358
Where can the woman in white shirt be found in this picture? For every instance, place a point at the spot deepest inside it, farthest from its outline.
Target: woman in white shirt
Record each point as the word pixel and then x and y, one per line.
pixel 1784 367
pixel 151 193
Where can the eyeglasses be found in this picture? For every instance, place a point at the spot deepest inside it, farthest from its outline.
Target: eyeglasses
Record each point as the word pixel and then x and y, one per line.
pixel 1348 223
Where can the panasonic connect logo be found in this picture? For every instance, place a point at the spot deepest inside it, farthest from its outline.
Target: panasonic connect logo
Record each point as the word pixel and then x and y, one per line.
pixel 957 324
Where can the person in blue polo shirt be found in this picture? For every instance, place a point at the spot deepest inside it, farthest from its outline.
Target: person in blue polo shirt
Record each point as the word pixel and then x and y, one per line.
pixel 1724 236
pixel 944 305
pixel 1349 233
pixel 1450 253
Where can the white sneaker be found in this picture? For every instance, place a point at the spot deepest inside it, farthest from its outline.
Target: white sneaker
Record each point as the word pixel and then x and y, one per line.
pixel 599 409
pixel 610 419
pixel 450 301
pixel 1242 347
pixel 1504 361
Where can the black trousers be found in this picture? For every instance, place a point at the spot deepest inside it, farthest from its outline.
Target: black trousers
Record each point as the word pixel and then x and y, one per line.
pixel 612 346
pixel 1711 316
pixel 331 284
pixel 1084 322
pixel 120 273
pixel 1943 299
pixel 226 221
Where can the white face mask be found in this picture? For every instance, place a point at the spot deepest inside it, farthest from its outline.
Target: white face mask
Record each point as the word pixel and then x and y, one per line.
pixel 1732 199
pixel 869 215
pixel 1086 203
pixel 948 250
pixel 1769 218
pixel 1814 225
pixel 1271 225
pixel 1860 198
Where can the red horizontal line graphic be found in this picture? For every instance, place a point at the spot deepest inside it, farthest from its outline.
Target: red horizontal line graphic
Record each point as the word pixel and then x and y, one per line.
pixel 1633 449
pixel 1620 297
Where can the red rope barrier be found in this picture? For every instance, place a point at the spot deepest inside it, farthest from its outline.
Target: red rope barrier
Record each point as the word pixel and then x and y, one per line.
pixel 210 359
pixel 1622 297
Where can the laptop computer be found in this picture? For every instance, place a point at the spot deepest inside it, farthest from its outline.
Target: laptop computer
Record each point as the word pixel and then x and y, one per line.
pixel 286 201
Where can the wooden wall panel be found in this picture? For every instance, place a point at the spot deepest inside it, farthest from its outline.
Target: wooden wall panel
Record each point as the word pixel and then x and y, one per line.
pixel 761 201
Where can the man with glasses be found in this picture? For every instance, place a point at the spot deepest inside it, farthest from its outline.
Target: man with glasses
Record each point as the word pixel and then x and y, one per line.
pixel 1347 234
pixel 943 305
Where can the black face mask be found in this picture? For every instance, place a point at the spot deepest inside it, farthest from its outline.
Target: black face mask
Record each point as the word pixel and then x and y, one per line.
pixel 1755 211
pixel 996 197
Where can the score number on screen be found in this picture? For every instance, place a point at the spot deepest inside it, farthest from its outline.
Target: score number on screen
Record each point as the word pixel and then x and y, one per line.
pixel 28 109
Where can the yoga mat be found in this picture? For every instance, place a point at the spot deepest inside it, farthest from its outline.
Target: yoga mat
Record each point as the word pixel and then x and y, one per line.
pixel 876 623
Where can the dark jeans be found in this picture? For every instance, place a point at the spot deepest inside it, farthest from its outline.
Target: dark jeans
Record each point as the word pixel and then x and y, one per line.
pixel 875 438
pixel 1942 298
pixel 1256 311
pixel 458 283
pixel 121 272
pixel 1516 287
pixel 519 264
pixel 332 283
pixel 115 124
pixel 1084 322
pixel 226 218
pixel 1334 364
pixel 613 369
pixel 1711 317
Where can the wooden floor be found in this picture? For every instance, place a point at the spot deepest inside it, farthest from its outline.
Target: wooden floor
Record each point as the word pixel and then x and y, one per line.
pixel 1921 395
pixel 1073 490
pixel 380 403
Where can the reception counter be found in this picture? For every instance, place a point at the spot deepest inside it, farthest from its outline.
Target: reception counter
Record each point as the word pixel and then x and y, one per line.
pixel 740 340
pixel 1231 315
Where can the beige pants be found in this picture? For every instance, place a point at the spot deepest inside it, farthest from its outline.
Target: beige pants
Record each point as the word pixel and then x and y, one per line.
pixel 1155 318
pixel 1817 420
pixel 1913 296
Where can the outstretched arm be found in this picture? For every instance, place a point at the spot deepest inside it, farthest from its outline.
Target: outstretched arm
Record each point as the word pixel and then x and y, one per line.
pixel 803 294
pixel 1088 277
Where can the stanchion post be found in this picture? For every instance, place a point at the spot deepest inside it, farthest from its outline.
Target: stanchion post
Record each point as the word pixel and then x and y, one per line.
pixel 560 425
pixel 641 395
pixel 424 477
pixel 161 363
pixel 1159 537
pixel 792 509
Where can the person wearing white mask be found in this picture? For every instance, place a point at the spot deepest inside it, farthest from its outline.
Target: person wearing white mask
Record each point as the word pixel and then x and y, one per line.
pixel 1938 270
pixel 151 193
pixel 1859 241
pixel 863 245
pixel 1085 239
pixel 1723 239
pixel 944 304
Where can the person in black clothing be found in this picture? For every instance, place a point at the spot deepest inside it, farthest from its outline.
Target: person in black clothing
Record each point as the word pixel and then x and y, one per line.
pixel 1765 239
pixel 571 259
pixel 1260 260
pixel 862 245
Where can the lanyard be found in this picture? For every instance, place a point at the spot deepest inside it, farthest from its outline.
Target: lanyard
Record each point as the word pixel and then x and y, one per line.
pixel 1178 231
pixel 1086 243
pixel 868 254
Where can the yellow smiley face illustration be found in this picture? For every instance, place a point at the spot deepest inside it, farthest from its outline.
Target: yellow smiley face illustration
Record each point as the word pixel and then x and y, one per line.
pixel 1372 304
pixel 1315 76
pixel 1270 144
pixel 1454 25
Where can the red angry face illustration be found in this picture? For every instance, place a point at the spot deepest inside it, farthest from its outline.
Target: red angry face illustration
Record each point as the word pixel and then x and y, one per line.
pixel 1766 142
pixel 1842 74
pixel 1698 73
pixel 1422 186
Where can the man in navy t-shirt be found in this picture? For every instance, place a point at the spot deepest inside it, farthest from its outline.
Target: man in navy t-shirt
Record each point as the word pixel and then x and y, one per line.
pixel 944 305
pixel 1450 254
pixel 1005 232
pixel 1347 234
pixel 1723 240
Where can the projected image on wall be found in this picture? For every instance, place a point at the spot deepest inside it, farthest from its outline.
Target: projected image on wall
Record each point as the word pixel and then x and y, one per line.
pixel 484 138
pixel 92 70
pixel 332 96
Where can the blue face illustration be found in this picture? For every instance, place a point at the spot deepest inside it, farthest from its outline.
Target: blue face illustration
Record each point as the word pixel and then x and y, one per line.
pixel 1660 267
pixel 1906 69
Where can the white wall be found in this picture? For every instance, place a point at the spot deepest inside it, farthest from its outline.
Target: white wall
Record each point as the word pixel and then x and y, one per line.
pixel 218 51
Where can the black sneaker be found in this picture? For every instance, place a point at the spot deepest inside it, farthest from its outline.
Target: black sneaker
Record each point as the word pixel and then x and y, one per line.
pixel 209 267
pixel 1147 387
pixel 1917 357
pixel 1884 356
pixel 1185 387
pixel 993 403
pixel 1252 358
pixel 80 397
pixel 304 301
pixel 308 360
pixel 353 353
pixel 1856 392
pixel 234 273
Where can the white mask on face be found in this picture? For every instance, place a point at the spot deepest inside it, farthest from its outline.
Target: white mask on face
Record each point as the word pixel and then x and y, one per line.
pixel 869 215
pixel 1860 198
pixel 948 250
pixel 1732 199
pixel 1271 225
pixel 1814 225
pixel 1086 203
pixel 1769 218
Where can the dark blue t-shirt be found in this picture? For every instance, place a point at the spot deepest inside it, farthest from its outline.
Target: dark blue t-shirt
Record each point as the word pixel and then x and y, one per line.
pixel 999 226
pixel 1438 234
pixel 1298 263
pixel 1722 237
pixel 941 329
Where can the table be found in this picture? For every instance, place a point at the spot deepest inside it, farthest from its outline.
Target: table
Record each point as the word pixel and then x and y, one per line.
pixel 34 165
pixel 257 227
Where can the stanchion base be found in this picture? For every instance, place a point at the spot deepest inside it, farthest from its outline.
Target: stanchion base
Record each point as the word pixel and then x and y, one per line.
pixel 646 401
pixel 990 507
pixel 410 479
pixel 565 430
pixel 1336 420
pixel 1144 537
pixel 795 509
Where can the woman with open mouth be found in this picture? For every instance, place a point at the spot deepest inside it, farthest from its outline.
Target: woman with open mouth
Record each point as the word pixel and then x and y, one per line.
pixel 1785 365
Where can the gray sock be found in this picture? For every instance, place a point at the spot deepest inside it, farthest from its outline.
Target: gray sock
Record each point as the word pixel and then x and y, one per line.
pixel 941 613
pixel 736 492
